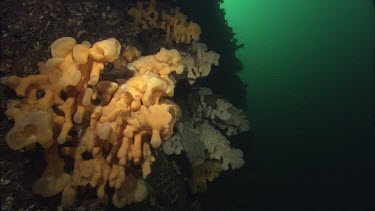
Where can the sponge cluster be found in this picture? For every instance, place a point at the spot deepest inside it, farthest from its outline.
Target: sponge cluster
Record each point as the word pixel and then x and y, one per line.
pixel 118 125
pixel 174 23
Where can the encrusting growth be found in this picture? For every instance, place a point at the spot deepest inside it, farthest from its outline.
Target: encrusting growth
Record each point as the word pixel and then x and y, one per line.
pixel 119 133
pixel 177 29
pixel 117 124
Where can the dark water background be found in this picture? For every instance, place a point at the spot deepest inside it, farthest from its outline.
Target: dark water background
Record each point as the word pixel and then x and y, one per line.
pixel 309 66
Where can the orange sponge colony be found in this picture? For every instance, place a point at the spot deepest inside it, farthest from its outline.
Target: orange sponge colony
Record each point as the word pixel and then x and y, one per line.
pixel 163 63
pixel 174 24
pixel 118 125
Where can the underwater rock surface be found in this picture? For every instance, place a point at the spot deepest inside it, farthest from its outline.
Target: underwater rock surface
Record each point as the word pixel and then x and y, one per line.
pixel 29 28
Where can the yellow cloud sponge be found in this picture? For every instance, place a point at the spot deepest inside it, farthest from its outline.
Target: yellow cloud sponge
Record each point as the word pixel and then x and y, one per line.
pixel 119 132
pixel 177 29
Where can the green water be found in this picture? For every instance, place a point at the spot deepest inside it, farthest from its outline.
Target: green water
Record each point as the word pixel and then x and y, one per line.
pixel 309 66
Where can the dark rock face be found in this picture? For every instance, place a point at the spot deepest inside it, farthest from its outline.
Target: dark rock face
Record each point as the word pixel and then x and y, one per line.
pixel 27 30
pixel 29 27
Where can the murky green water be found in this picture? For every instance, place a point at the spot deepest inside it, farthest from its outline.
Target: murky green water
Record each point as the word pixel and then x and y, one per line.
pixel 310 70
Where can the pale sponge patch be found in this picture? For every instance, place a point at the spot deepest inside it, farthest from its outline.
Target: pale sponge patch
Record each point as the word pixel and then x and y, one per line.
pixel 207 140
pixel 198 61
pixel 219 148
pixel 173 145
